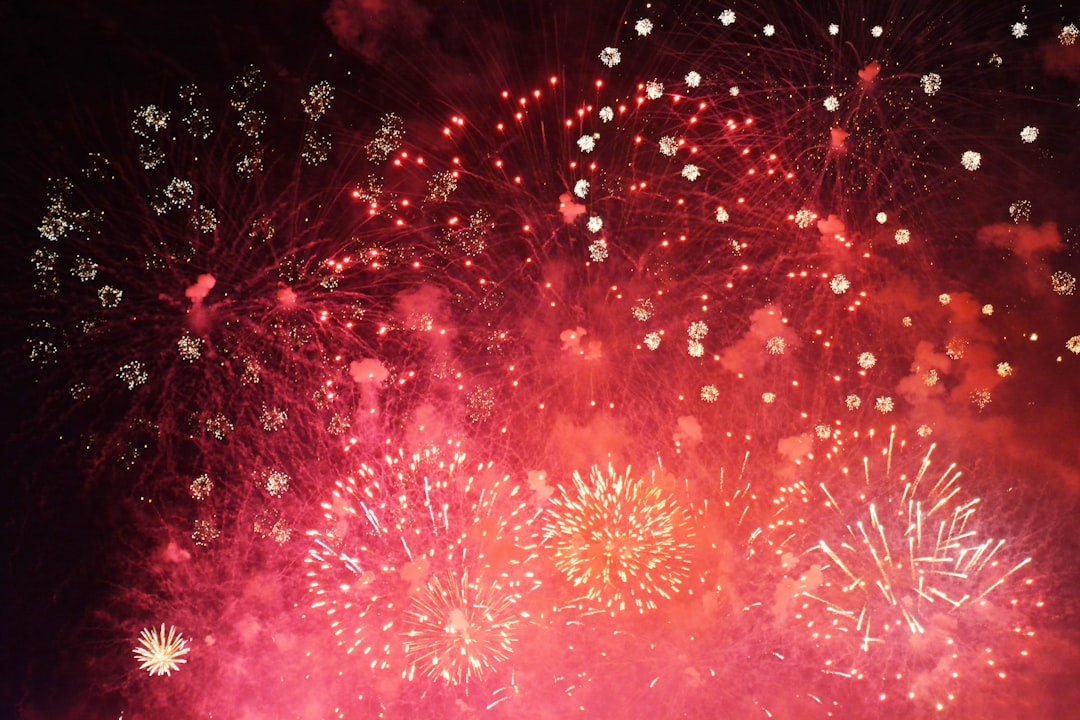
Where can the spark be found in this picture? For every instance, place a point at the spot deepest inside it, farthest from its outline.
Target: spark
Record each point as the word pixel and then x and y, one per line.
pixel 619 539
pixel 161 652
pixel 902 551
pixel 458 629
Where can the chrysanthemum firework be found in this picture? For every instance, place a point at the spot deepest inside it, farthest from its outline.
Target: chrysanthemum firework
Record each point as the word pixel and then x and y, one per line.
pixel 620 541
pixel 459 628
pixel 416 544
pixel 161 653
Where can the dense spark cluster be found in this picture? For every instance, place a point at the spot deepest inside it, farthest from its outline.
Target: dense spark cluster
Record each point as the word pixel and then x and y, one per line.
pixel 459 628
pixel 620 540
pixel 417 565
pixel 161 652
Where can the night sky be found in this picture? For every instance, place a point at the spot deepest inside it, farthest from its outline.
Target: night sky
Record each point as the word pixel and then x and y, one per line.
pixel 463 291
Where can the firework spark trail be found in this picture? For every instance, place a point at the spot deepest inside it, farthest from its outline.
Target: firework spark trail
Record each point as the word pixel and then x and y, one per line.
pixel 899 561
pixel 418 569
pixel 620 539
pixel 614 163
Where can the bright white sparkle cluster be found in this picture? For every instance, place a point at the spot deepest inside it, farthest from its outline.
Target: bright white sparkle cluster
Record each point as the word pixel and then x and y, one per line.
pixel 668 146
pixel 696 331
pixel 598 251
pixel 642 310
pixel 133 374
pixel 1063 283
pixel 1020 210
pixel 610 56
pixel 189 347
pixel 931 83
pixel 161 652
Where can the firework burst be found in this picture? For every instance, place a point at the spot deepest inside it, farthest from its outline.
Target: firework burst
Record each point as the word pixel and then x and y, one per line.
pixel 161 653
pixel 732 226
pixel 899 575
pixel 418 568
pixel 620 540
pixel 460 628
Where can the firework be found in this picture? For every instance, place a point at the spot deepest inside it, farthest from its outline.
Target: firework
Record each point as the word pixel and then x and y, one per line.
pixel 620 540
pixel 714 228
pixel 397 569
pixel 193 298
pixel 161 653
pixel 459 628
pixel 890 590
pixel 724 199
pixel 226 311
